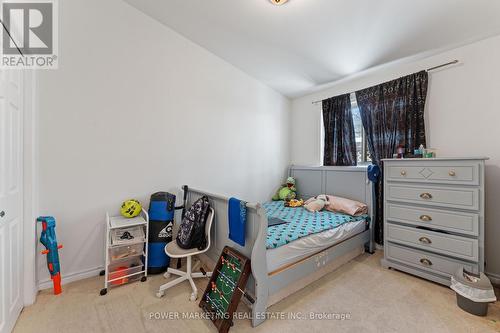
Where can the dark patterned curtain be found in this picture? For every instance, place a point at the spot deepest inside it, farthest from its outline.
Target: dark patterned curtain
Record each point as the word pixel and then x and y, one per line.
pixel 340 142
pixel 392 114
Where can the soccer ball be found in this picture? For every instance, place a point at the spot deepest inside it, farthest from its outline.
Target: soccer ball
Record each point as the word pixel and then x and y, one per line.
pixel 131 208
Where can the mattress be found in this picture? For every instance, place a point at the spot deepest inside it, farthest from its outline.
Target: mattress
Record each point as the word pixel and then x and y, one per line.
pixel 299 223
pixel 306 246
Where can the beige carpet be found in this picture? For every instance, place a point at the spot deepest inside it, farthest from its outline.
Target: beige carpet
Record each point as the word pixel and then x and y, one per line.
pixel 375 300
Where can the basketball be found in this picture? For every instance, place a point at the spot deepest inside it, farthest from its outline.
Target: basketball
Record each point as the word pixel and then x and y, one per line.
pixel 131 208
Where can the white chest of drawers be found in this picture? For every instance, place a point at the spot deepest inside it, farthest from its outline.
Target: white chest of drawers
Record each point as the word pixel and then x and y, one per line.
pixel 434 216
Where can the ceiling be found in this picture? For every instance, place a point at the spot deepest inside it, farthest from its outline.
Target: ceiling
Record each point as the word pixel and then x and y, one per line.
pixel 306 43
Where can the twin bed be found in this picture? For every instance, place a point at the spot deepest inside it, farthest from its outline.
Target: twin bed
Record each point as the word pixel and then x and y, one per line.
pixel 289 256
pixel 305 232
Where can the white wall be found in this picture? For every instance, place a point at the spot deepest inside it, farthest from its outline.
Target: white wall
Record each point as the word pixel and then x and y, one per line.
pixel 135 108
pixel 463 117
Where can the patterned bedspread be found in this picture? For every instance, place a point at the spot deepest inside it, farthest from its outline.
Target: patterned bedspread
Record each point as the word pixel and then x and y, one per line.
pixel 301 223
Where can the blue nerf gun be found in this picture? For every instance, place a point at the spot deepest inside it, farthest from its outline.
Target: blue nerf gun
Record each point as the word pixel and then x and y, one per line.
pixel 48 239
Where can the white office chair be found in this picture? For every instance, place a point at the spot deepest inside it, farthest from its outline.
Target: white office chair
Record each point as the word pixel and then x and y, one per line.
pixel 174 251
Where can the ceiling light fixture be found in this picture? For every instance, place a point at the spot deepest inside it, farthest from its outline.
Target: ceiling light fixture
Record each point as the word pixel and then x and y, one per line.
pixel 278 2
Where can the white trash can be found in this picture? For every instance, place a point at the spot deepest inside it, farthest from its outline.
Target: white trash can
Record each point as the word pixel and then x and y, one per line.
pixel 474 291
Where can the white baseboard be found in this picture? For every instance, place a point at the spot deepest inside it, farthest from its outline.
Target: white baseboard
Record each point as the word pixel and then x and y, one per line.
pixel 71 277
pixel 85 274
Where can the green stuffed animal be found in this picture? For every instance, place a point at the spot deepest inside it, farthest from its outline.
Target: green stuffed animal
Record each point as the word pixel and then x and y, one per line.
pixel 287 191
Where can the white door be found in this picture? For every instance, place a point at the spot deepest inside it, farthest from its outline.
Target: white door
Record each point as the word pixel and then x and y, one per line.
pixel 11 167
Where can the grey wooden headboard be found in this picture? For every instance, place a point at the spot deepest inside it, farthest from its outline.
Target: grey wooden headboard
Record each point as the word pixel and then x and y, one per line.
pixel 347 182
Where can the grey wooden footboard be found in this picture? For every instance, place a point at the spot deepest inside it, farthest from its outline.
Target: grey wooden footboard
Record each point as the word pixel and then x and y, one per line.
pixel 350 182
pixel 255 244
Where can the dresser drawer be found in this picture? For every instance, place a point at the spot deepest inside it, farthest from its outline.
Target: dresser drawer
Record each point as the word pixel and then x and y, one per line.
pixel 427 261
pixel 449 172
pixel 454 197
pixel 465 223
pixel 451 245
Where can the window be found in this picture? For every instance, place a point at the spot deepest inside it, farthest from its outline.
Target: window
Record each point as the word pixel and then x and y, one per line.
pixel 363 155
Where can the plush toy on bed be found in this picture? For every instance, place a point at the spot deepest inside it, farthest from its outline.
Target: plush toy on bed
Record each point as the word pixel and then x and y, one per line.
pixel 316 204
pixel 294 203
pixel 287 191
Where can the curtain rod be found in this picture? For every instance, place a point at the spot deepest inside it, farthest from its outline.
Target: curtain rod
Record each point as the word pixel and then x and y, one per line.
pixel 428 70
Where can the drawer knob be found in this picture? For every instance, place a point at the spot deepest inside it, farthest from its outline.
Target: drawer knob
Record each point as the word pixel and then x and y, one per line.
pixel 403 173
pixel 425 218
pixel 452 173
pixel 426 196
pixel 426 262
pixel 424 240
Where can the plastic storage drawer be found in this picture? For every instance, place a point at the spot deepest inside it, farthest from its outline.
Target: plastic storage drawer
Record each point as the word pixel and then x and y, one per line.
pixel 126 251
pixel 127 235
pixel 126 271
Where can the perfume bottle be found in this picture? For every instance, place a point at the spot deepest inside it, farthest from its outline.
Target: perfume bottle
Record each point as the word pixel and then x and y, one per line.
pixel 401 151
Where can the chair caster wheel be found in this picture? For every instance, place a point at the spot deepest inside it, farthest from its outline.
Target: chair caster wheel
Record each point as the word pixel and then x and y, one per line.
pixel 103 291
pixel 160 294
pixel 167 275
pixel 144 279
pixel 101 273
pixel 193 297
